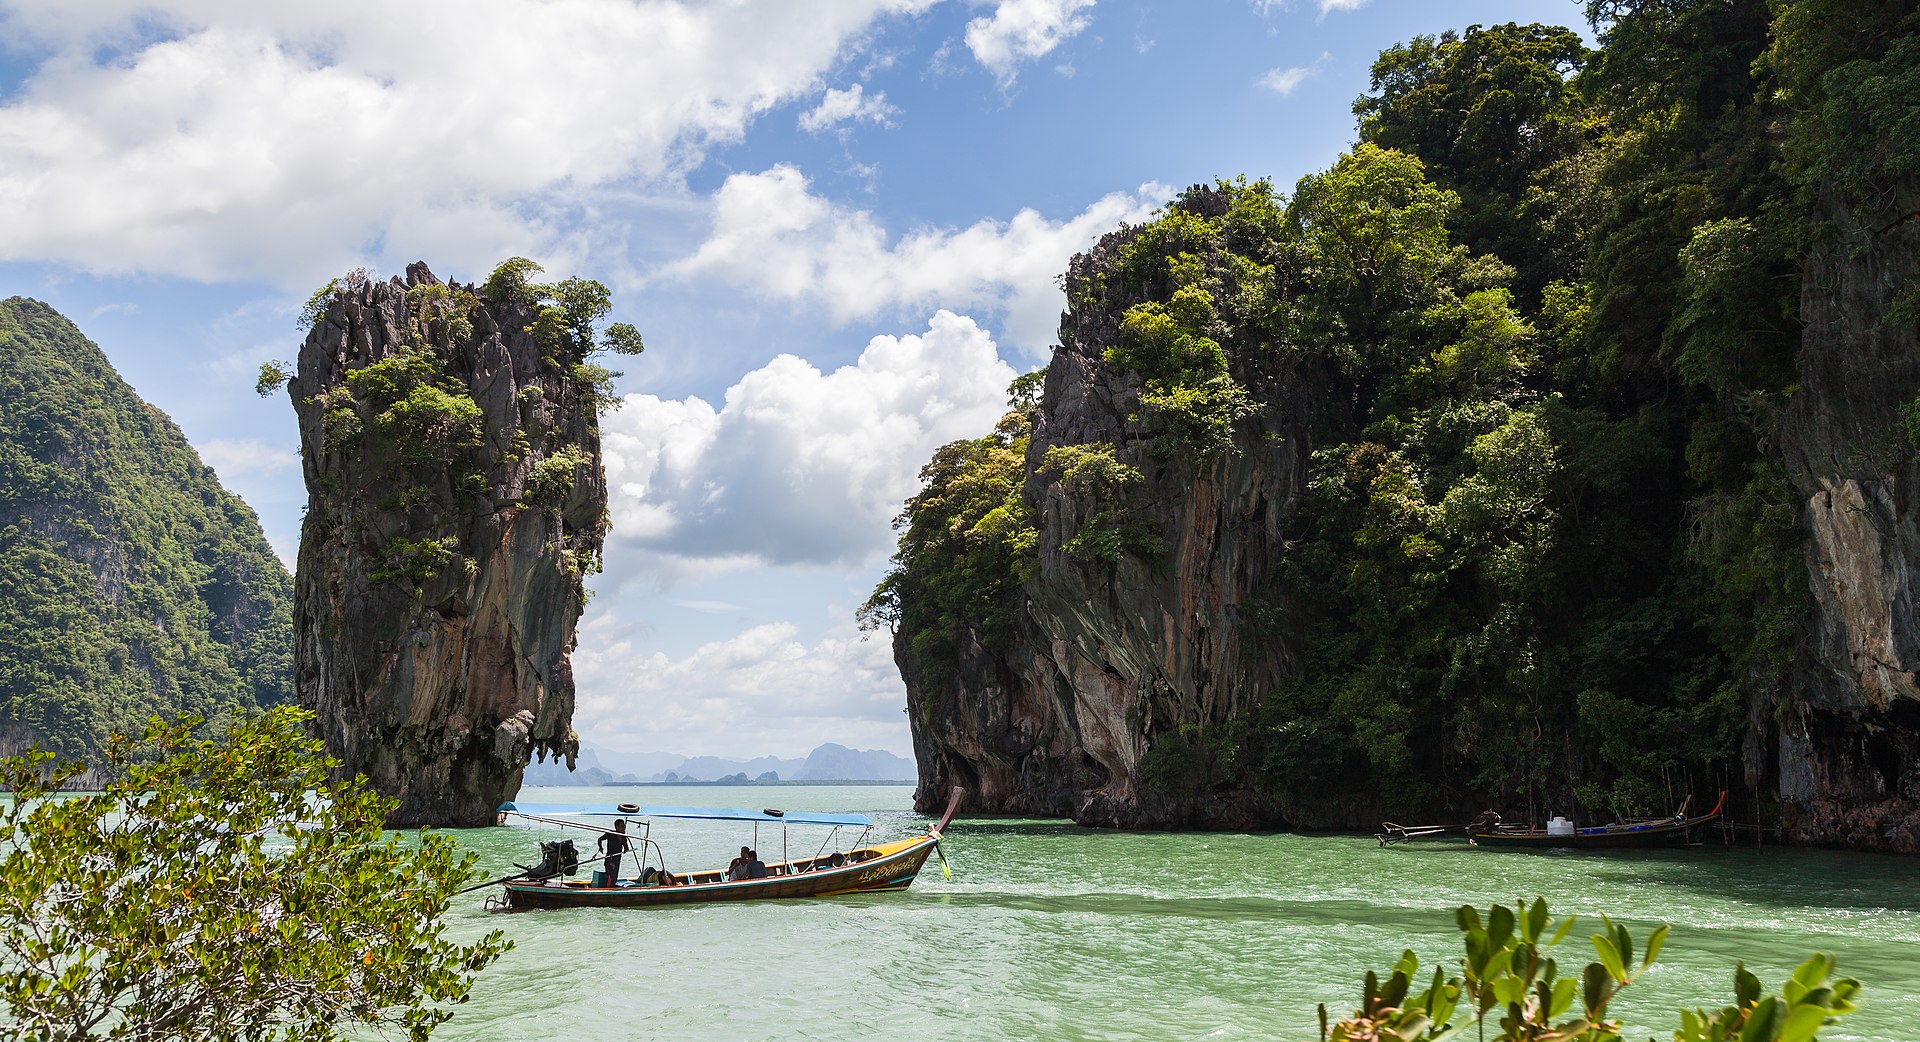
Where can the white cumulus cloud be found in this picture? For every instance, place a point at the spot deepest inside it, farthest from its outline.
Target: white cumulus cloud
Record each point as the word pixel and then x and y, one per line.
pixel 797 466
pixel 214 139
pixel 850 105
pixel 762 691
pixel 1327 6
pixel 772 234
pixel 1022 30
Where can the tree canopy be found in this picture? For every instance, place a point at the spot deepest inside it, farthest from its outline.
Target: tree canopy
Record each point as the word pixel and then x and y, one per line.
pixel 222 888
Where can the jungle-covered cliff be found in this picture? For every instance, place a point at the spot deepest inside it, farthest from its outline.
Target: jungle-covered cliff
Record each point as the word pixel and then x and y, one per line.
pixel 132 585
pixel 455 503
pixel 1554 448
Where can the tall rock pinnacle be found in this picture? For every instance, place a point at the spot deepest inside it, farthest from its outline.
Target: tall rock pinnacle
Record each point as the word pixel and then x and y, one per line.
pixel 455 500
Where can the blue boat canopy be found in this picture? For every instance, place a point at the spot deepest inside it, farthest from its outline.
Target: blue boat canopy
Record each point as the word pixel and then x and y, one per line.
pixel 602 810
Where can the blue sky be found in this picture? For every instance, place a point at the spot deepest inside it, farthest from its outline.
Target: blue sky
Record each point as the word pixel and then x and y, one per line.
pixel 837 225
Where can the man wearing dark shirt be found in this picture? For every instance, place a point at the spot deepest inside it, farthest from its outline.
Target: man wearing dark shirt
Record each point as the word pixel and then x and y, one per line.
pixel 613 844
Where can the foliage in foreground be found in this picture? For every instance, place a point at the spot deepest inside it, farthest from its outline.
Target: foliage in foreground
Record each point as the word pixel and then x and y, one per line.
pixel 1508 982
pixel 222 888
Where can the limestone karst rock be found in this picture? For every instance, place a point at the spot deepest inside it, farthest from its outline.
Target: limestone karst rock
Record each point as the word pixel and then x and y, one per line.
pixel 1118 688
pixel 1590 525
pixel 1849 731
pixel 1111 660
pixel 455 501
pixel 133 584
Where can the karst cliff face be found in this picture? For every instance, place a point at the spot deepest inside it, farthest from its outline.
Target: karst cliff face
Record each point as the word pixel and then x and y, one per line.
pixel 1113 658
pixel 1849 732
pixel 135 585
pixel 455 499
pixel 1328 514
pixel 1124 684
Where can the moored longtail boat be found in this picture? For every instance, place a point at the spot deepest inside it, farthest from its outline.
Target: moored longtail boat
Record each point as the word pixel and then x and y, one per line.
pixel 1676 830
pixel 1391 833
pixel 866 868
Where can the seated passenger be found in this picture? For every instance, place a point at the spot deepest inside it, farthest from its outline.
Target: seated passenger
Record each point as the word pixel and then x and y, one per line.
pixel 755 868
pixel 737 868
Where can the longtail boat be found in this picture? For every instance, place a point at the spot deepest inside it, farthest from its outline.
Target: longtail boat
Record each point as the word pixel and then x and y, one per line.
pixel 1675 830
pixel 1488 830
pixel 863 868
pixel 1391 833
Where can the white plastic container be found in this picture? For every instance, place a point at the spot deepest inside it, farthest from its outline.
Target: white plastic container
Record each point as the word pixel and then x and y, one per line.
pixel 1558 826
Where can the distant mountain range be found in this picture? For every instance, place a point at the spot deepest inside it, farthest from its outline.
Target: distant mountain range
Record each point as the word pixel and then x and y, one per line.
pixel 829 762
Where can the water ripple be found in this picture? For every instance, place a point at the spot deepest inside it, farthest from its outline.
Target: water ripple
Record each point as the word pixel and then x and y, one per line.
pixel 1053 932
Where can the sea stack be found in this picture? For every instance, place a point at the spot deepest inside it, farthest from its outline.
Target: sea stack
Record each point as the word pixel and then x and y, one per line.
pixel 455 500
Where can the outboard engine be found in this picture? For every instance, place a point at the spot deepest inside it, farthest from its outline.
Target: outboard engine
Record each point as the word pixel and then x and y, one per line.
pixel 558 858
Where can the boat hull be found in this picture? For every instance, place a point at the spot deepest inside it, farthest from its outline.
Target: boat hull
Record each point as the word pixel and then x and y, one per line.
pixel 1613 837
pixel 1663 837
pixel 894 867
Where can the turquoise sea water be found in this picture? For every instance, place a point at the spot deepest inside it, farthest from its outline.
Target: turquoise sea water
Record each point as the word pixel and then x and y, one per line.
pixel 1049 931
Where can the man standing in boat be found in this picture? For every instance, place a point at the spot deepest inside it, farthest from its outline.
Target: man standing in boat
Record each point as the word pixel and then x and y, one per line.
pixel 613 845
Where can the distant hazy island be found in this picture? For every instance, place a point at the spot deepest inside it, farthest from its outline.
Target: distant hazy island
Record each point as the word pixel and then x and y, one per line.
pixel 827 763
